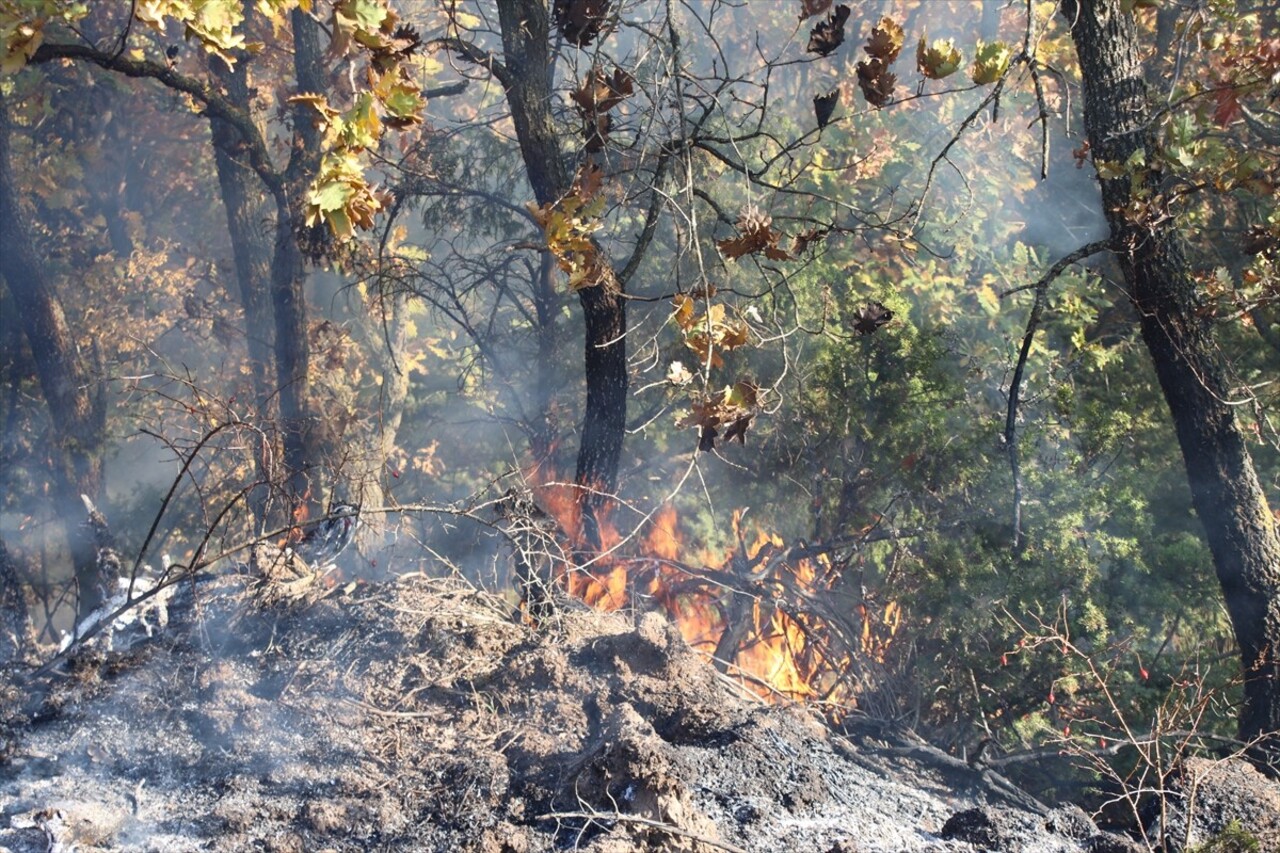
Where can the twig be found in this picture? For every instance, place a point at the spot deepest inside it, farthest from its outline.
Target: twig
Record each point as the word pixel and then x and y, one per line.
pixel 668 828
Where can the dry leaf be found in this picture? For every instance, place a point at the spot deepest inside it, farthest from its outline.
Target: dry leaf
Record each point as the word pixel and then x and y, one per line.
pixel 829 35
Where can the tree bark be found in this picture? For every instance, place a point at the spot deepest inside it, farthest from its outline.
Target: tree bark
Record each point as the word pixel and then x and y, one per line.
pixel 303 452
pixel 526 50
pixel 288 275
pixel 78 413
pixel 1239 526
pixel 250 221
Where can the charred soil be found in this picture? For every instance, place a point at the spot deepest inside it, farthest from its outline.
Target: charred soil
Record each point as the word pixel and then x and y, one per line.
pixel 418 715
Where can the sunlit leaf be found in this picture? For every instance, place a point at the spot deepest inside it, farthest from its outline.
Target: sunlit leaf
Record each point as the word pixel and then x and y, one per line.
pixel 365 15
pixel 678 374
pixel 683 311
pixel 990 62
pixel 885 42
pixel 939 59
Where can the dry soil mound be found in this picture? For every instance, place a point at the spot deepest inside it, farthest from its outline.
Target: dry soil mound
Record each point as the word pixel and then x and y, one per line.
pixel 416 715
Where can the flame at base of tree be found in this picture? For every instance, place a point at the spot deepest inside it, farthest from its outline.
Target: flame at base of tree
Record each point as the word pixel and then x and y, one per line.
pixel 782 621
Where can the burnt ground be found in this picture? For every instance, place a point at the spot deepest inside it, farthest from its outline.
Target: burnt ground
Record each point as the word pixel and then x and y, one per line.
pixel 418 715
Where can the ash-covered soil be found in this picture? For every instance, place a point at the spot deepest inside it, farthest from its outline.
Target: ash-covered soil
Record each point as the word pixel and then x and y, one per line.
pixel 417 715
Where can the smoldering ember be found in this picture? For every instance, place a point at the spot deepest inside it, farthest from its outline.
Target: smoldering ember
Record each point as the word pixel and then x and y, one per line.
pixel 608 425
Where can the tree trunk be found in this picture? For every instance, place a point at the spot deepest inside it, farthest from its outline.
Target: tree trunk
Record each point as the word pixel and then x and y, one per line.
pixel 77 412
pixel 303 454
pixel 249 223
pixel 526 50
pixel 1238 524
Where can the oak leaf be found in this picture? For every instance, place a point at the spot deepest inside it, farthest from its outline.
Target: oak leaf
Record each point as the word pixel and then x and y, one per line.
pixel 990 62
pixel 876 82
pixel 824 106
pixel 1226 106
pixel 870 317
pixel 755 234
pixel 885 42
pixel 829 34
pixel 938 60
pixel 731 410
pixel 580 21
pixel 809 8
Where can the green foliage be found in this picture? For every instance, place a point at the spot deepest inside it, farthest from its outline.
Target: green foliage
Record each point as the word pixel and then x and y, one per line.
pixel 1233 839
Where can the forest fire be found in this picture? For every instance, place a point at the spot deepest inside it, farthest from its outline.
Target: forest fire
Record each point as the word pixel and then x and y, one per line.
pixel 778 620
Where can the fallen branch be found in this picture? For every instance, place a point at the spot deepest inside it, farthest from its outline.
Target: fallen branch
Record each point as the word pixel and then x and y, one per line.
pixel 668 828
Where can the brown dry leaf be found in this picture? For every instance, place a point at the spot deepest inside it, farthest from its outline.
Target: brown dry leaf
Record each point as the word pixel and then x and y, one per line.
pixel 738 429
pixel 804 239
pixel 876 82
pixel 580 21
pixel 599 94
pixel 596 96
pixel 588 181
pixel 713 333
pixel 731 410
pixel 829 34
pixel 824 107
pixel 755 234
pixel 734 334
pixel 704 415
pixel 683 312
pixel 871 317
pixel 886 40
pixel 809 8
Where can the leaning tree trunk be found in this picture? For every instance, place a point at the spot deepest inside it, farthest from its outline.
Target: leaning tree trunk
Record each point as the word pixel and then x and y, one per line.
pixel 78 414
pixel 526 49
pixel 1238 524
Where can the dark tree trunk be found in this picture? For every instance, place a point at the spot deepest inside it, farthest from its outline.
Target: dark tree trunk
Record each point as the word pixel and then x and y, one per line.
pixel 526 50
pixel 303 454
pixel 78 413
pixel 250 223
pixel 1238 523
pixel 546 302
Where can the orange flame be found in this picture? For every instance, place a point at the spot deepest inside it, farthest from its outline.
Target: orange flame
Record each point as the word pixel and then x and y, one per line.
pixel 754 609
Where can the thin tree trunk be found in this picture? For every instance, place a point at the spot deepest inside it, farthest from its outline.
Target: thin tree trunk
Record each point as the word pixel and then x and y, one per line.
pixel 249 223
pixel 1239 527
pixel 78 413
pixel 526 50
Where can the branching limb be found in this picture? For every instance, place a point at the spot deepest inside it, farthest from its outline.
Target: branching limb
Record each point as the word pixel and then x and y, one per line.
pixel 213 101
pixel 1041 287
pixel 476 56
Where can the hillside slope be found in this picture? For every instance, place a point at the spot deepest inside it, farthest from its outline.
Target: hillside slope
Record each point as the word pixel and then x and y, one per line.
pixel 417 715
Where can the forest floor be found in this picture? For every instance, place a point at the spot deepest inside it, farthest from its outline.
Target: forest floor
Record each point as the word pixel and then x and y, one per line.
pixel 418 715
